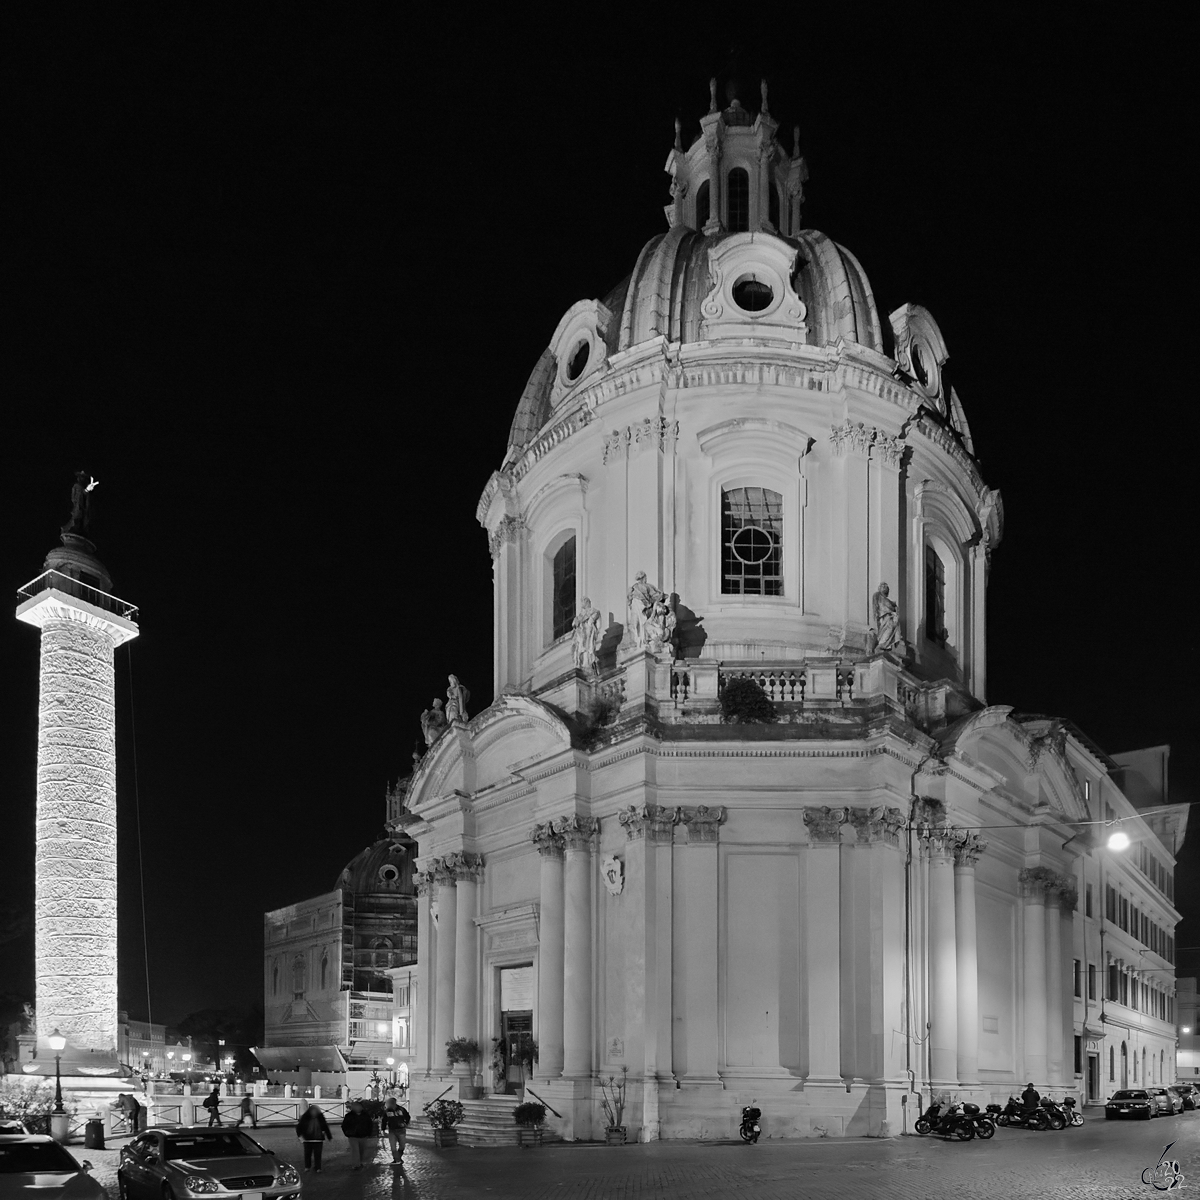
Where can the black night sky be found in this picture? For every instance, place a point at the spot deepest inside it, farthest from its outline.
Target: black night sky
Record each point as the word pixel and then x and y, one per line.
pixel 276 275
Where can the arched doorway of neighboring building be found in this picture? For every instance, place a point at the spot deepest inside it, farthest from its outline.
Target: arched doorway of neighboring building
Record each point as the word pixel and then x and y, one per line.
pixel 1124 1065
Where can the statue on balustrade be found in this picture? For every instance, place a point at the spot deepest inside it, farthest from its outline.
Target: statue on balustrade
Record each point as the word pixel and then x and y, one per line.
pixel 642 600
pixel 433 723
pixel 887 619
pixel 585 639
pixel 456 700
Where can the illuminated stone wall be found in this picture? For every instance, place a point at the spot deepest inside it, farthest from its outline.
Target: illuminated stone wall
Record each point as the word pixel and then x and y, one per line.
pixel 76 856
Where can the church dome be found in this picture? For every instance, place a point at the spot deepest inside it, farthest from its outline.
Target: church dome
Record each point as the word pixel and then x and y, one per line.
pixel 384 866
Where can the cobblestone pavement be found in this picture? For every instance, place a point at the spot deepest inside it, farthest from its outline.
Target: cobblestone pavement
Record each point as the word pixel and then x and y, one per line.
pixel 1101 1161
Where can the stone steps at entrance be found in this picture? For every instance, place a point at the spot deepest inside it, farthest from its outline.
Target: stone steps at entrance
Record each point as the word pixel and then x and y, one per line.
pixel 487 1122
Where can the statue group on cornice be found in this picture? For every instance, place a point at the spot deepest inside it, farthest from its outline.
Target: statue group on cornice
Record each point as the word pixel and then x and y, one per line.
pixel 585 638
pixel 651 621
pixel 436 719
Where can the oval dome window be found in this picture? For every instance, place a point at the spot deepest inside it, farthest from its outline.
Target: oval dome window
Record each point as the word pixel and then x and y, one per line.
pixel 578 360
pixel 752 295
pixel 917 357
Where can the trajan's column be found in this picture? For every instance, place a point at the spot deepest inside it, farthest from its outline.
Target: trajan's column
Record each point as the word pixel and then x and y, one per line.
pixel 75 903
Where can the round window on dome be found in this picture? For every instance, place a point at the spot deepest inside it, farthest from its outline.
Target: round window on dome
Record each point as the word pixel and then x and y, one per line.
pixel 916 356
pixel 578 360
pixel 388 873
pixel 752 295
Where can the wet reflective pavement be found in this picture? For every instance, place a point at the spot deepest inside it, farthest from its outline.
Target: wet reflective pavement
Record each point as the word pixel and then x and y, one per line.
pixel 1103 1160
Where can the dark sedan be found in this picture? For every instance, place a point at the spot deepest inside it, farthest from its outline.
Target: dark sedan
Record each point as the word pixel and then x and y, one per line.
pixel 1131 1102
pixel 176 1164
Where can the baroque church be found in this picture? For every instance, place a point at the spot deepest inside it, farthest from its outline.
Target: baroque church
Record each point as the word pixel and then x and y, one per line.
pixel 742 822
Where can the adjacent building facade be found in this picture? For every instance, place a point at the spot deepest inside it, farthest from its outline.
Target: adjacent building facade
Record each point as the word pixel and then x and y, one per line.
pixel 726 471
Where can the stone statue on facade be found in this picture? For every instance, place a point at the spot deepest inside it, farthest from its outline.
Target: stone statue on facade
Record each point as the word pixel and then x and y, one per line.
pixel 585 639
pixel 433 723
pixel 456 700
pixel 81 503
pixel 642 600
pixel 660 627
pixel 887 619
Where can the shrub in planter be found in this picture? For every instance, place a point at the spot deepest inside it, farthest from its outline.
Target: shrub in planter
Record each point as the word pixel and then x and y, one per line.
pixel 529 1114
pixel 30 1101
pixel 462 1049
pixel 445 1114
pixel 612 1100
pixel 743 701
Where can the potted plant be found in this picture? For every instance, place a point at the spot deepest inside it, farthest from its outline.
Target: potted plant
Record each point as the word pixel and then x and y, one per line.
pixel 499 1066
pixel 529 1118
pixel 462 1050
pixel 443 1116
pixel 612 1100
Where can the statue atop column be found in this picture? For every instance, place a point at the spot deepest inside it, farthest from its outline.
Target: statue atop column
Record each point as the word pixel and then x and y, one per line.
pixel 81 504
pixel 433 723
pixel 585 639
pixel 456 701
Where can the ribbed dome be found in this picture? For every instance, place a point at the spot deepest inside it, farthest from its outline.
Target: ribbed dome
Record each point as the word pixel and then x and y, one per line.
pixel 672 278
pixel 384 866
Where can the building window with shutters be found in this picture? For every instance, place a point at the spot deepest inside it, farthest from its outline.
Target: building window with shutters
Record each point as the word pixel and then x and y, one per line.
pixel 1091 973
pixel 1078 979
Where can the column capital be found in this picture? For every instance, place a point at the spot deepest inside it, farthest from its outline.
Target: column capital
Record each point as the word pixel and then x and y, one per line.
pixel 577 832
pixel 940 840
pixel 547 839
pixel 464 867
pixel 702 822
pixel 968 850
pixel 824 824
pixel 425 881
pixel 652 821
pixel 877 824
pixel 1035 881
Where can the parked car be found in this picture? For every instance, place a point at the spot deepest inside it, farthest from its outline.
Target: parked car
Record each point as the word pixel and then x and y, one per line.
pixel 32 1163
pixel 1188 1094
pixel 1131 1102
pixel 173 1163
pixel 11 1126
pixel 1166 1102
pixel 1173 1098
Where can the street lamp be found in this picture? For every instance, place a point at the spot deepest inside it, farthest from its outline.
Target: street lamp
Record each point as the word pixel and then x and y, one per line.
pixel 1118 841
pixel 187 1066
pixel 57 1043
pixel 391 1062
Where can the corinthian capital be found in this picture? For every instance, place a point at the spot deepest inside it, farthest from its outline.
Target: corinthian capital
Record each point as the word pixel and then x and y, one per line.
pixel 577 832
pixel 425 881
pixel 464 866
pixel 940 840
pixel 877 824
pixel 547 839
pixel 702 822
pixel 1036 882
pixel 824 823
pixel 653 821
pixel 968 850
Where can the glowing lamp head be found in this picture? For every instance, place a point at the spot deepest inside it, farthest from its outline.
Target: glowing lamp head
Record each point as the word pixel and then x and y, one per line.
pixel 1118 841
pixel 170 1053
pixel 56 1042
pixel 1186 1029
pixel 391 1062
pixel 186 1056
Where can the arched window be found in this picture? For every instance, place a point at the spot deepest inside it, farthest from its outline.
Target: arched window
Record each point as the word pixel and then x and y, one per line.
pixel 702 206
pixel 751 542
pixel 275 980
pixel 383 951
pixel 773 206
pixel 324 971
pixel 563 588
pixel 739 200
pixel 935 596
pixel 1112 1064
pixel 298 979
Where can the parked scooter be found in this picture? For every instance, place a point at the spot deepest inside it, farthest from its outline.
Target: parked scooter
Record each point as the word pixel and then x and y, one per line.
pixel 1056 1115
pixel 949 1123
pixel 1015 1113
pixel 750 1127
pixel 984 1126
pixel 1074 1116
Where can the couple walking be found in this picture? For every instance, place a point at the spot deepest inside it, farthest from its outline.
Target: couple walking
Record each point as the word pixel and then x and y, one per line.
pixel 359 1128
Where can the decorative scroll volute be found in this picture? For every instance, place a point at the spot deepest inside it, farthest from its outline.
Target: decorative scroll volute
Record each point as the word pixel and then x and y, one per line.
pixel 825 824
pixel 877 824
pixel 547 839
pixel 702 822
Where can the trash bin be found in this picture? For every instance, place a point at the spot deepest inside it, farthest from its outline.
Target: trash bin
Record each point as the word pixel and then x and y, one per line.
pixel 93 1134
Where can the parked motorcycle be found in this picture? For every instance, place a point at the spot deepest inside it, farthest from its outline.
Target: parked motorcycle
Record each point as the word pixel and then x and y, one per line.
pixel 1056 1115
pixel 750 1127
pixel 950 1123
pixel 1015 1113
pixel 984 1126
pixel 1074 1116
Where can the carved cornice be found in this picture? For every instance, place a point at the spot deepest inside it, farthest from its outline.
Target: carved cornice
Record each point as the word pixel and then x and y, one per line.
pixel 968 850
pixel 577 832
pixel 877 824
pixel 547 839
pixel 653 821
pixel 858 438
pixel 650 433
pixel 702 822
pixel 824 823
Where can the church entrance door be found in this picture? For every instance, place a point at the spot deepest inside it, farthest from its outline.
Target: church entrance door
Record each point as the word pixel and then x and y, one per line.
pixel 516 1023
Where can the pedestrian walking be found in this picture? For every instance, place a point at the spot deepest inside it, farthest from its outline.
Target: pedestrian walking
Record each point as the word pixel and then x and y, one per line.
pixel 213 1104
pixel 133 1113
pixel 359 1129
pixel 247 1111
pixel 395 1120
pixel 313 1131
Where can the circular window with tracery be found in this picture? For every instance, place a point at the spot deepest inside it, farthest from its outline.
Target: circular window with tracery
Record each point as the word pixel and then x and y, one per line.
pixel 389 873
pixel 752 545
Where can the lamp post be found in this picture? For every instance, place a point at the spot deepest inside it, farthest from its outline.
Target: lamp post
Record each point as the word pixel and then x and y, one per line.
pixel 59 1119
pixel 187 1068
pixel 391 1062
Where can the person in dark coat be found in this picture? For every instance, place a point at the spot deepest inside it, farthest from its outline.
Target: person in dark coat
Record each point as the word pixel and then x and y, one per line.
pixel 247 1112
pixel 133 1111
pixel 359 1129
pixel 1031 1097
pixel 213 1104
pixel 395 1120
pixel 313 1130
